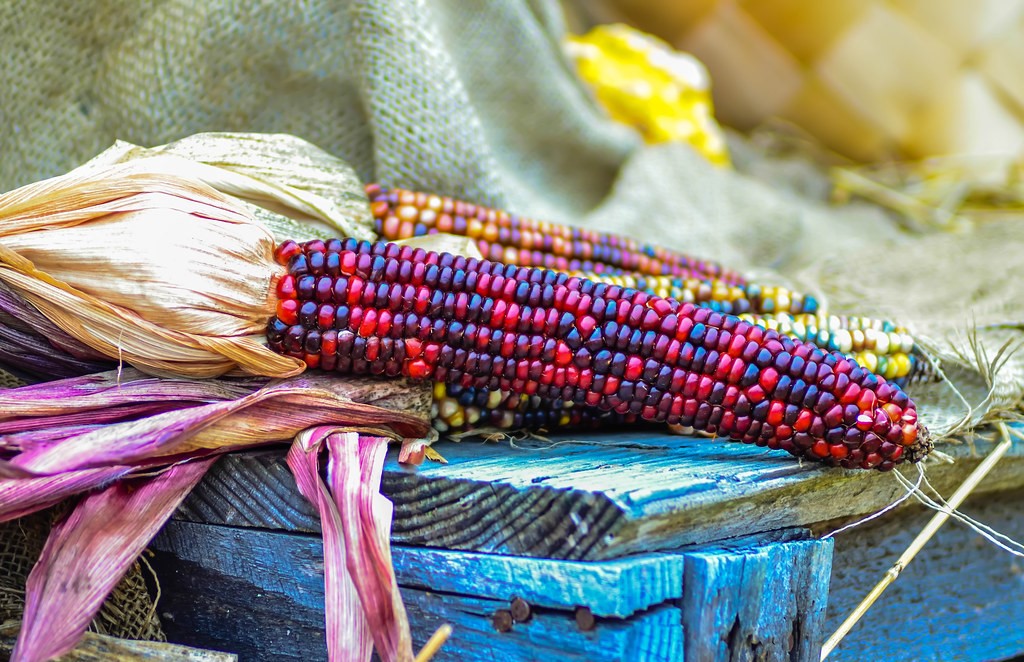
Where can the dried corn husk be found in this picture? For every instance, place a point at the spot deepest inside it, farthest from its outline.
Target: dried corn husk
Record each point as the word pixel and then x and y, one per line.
pixel 294 187
pixel 163 257
pixel 363 605
pixel 88 553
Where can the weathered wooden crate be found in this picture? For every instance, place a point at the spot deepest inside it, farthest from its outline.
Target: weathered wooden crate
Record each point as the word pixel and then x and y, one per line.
pixel 637 546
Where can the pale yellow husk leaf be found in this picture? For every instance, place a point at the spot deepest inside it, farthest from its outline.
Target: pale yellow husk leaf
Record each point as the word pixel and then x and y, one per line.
pixel 148 264
pixel 293 186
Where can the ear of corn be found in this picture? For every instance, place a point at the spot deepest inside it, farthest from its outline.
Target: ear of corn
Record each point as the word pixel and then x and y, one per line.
pixel 386 309
pixel 458 409
pixel 511 239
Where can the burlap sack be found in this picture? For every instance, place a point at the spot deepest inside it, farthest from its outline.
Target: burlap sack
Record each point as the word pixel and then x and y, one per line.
pixel 474 99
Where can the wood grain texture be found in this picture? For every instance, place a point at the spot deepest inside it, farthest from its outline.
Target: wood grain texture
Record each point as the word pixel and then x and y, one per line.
pixel 640 582
pixel 961 598
pixel 591 497
pixel 260 594
pixel 764 602
pixel 95 647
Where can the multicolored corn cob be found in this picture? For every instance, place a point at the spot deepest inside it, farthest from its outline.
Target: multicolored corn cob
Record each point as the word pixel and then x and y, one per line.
pixel 881 347
pixel 387 309
pixel 504 237
pixel 719 295
pixel 458 409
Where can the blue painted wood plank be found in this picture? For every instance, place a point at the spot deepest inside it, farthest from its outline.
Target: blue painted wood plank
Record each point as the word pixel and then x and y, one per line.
pixel 764 597
pixel 616 588
pixel 961 598
pixel 763 602
pixel 608 588
pixel 588 497
pixel 261 594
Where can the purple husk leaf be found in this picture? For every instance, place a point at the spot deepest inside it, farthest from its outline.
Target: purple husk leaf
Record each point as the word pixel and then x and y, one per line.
pixel 356 523
pixel 348 630
pixel 88 553
pixel 33 344
pixel 21 495
pixel 276 413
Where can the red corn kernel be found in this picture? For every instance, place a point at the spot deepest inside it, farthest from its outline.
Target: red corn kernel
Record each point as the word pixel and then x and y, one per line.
pixel 776 411
pixel 547 374
pixel 498 313
pixel 803 420
pixel 369 324
pixel 833 417
pixel 894 412
pixel 563 354
pixel 661 306
pixel 325 316
pixel 586 325
pixel 288 311
pixel 755 394
pixel 312 360
pixel 867 400
pixel 372 348
pixel 851 395
pixel 769 379
pixel 513 315
pixel 418 369
pixel 286 287
pixel 820 448
pixel 683 332
pixel 430 352
pixel 634 368
pixel 724 365
pixel 672 353
pixel 286 251
pixel 909 434
pixel 838 451
pixel 384 320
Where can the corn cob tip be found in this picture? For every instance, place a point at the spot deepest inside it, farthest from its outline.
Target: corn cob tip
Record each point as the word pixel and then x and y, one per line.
pixel 921 447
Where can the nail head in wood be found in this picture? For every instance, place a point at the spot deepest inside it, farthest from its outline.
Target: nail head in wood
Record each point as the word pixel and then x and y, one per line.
pixel 502 620
pixel 520 610
pixel 585 619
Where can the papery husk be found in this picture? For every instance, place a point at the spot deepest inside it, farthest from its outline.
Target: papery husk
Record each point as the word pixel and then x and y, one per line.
pixel 236 417
pixel 148 265
pixel 294 187
pixel 88 553
pixel 361 594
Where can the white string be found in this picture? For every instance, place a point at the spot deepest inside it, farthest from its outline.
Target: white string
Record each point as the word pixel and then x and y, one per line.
pixel 983 530
pixel 894 504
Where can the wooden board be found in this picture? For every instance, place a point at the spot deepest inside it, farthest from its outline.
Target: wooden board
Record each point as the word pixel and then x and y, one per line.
pixel 94 647
pixel 587 497
pixel 260 594
pixel 962 598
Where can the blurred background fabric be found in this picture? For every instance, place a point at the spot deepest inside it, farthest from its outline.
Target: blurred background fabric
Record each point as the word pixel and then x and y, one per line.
pixel 871 79
pixel 477 100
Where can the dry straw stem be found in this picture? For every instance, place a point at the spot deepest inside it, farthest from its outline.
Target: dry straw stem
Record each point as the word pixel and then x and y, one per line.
pixel 920 541
pixel 434 644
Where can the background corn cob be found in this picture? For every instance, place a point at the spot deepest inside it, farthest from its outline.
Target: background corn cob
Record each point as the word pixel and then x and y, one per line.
pixel 389 309
pixel 877 345
pixel 459 409
pixel 504 237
